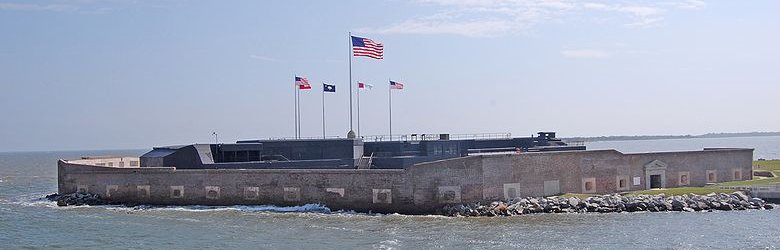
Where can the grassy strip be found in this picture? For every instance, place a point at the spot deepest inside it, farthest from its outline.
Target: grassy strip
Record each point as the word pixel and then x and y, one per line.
pixel 773 165
pixel 579 196
pixel 681 191
pixel 668 191
pixel 750 182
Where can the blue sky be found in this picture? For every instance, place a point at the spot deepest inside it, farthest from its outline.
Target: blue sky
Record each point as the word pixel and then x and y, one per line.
pixel 82 74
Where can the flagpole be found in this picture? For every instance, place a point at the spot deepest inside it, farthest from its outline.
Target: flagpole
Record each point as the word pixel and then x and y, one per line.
pixel 298 93
pixel 350 81
pixel 323 110
pixel 295 107
pixel 358 111
pixel 297 112
pixel 390 106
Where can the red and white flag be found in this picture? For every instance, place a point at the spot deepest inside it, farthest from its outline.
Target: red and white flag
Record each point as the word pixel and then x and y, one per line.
pixel 365 85
pixel 396 85
pixel 367 47
pixel 302 83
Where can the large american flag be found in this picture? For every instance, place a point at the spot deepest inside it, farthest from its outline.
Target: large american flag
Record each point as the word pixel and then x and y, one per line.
pixel 396 85
pixel 367 47
pixel 302 83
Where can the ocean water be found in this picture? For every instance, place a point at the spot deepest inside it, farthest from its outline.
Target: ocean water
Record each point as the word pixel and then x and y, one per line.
pixel 767 147
pixel 28 221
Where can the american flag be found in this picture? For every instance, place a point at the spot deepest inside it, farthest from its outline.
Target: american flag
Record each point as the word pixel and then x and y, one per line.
pixel 396 85
pixel 302 83
pixel 367 47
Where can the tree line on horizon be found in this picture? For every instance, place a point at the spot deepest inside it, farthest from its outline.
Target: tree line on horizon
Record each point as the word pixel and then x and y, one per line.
pixel 660 137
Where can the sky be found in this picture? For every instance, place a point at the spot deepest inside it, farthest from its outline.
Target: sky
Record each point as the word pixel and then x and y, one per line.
pixel 115 74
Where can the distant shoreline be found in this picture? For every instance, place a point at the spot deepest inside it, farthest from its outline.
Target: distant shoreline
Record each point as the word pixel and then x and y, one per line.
pixel 662 137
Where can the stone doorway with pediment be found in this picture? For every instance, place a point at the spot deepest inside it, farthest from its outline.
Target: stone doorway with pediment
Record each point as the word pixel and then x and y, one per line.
pixel 655 174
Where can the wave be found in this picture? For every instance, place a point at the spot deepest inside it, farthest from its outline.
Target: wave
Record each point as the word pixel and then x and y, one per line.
pixel 308 208
pixel 39 200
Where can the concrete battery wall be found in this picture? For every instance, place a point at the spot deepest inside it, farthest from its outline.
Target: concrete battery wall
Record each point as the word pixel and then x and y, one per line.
pixel 422 188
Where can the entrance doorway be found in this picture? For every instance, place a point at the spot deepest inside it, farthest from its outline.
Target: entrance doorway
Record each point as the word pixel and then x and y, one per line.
pixel 655 174
pixel 655 181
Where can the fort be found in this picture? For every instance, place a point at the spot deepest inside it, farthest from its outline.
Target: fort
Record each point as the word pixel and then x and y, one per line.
pixel 412 174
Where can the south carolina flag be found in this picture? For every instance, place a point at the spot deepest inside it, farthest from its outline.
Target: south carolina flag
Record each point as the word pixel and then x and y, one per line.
pixel 328 87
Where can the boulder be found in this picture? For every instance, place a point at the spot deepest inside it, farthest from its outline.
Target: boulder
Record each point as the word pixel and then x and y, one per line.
pixel 573 201
pixel 741 196
pixel 715 204
pixel 599 204
pixel 702 205
pixel 629 206
pixel 678 205
pixel 667 206
pixel 77 199
pixel 605 210
pixel 652 208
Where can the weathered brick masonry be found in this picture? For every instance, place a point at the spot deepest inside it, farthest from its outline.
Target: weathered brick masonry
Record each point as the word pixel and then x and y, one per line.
pixel 421 188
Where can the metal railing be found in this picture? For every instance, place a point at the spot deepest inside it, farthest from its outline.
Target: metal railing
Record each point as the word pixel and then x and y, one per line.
pixel 431 137
pixel 302 138
pixel 575 143
pixel 772 187
pixel 482 136
pixel 407 137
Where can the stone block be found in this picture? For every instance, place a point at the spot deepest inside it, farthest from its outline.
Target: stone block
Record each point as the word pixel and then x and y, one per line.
pixel 588 185
pixel 212 192
pixel 143 191
pixel 338 191
pixel 382 196
pixel 111 190
pixel 552 187
pixel 177 192
pixel 292 194
pixel 251 193
pixel 449 194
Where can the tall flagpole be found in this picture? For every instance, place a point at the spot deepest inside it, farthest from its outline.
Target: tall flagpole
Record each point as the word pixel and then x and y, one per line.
pixel 295 106
pixel 298 108
pixel 390 106
pixel 350 81
pixel 358 111
pixel 323 110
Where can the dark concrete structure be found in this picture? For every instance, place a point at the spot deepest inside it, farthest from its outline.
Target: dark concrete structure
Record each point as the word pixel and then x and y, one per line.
pixel 258 154
pixel 340 153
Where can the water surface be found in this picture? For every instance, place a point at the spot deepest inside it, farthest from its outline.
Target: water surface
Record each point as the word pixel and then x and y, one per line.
pixel 27 221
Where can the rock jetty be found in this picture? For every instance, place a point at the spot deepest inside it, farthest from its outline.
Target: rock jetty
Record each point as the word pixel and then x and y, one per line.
pixel 613 203
pixel 76 199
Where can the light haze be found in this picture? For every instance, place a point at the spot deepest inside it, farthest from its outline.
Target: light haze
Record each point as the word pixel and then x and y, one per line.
pixel 80 74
